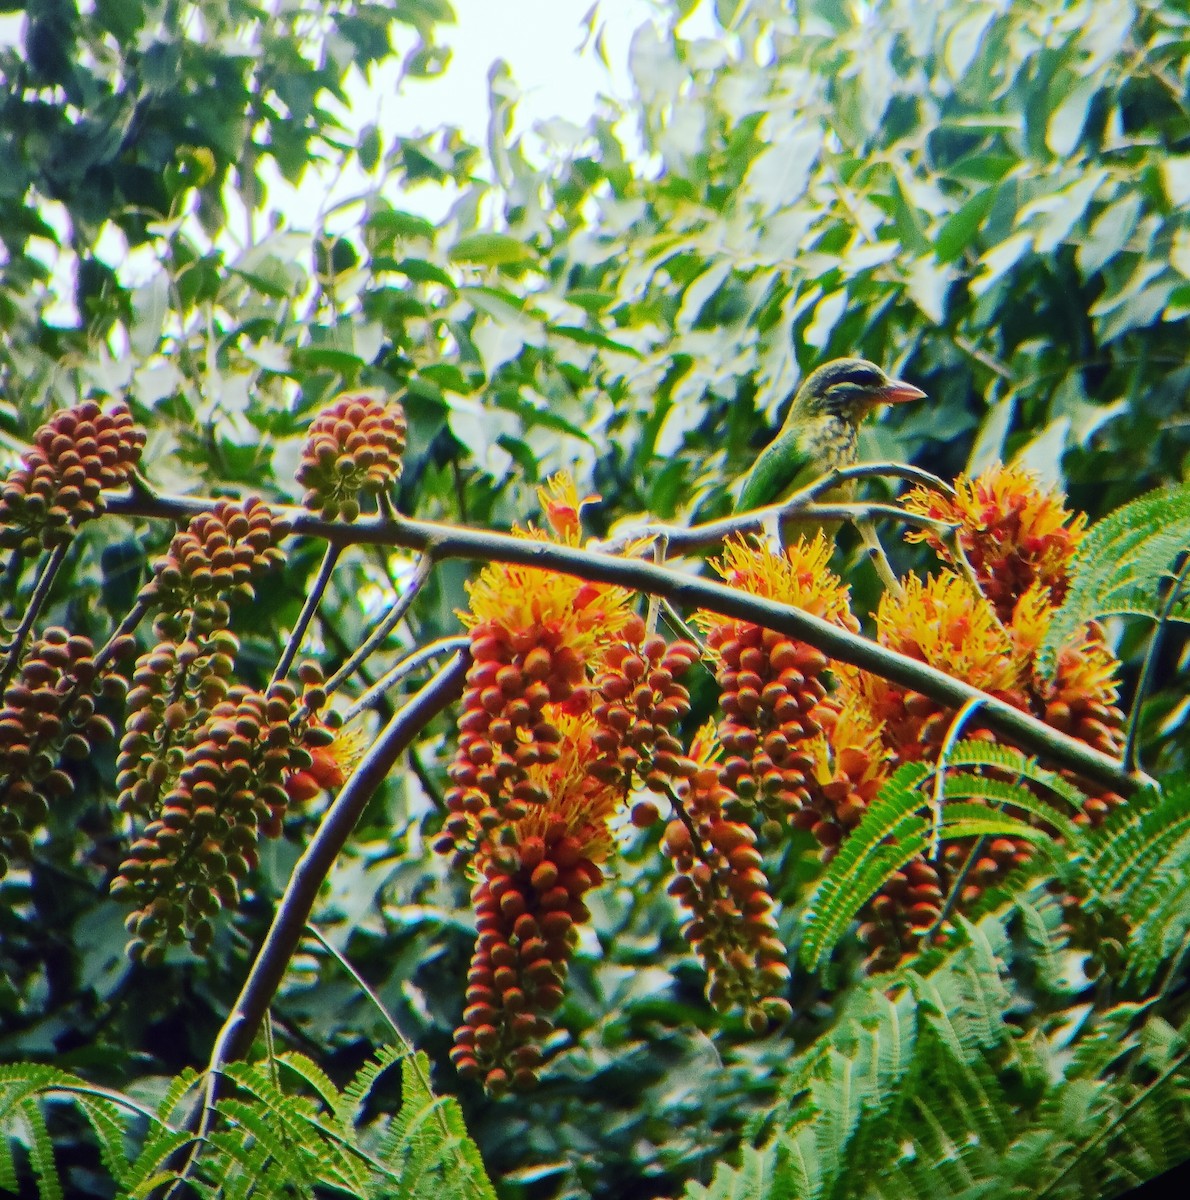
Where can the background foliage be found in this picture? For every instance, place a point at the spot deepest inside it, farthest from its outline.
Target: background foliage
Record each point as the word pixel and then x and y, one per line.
pixel 991 198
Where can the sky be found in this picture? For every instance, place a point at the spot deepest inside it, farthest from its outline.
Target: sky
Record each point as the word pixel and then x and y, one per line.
pixel 546 46
pixel 552 60
pixel 544 43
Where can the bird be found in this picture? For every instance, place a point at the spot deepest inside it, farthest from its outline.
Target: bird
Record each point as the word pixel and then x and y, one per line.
pixel 821 430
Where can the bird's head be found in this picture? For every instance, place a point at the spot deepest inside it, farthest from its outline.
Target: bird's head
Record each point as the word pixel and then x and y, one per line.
pixel 849 388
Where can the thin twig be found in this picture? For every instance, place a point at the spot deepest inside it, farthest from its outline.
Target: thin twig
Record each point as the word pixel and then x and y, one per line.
pixel 41 592
pixel 660 550
pixel 407 665
pixel 690 537
pixel 691 592
pixel 952 896
pixel 390 620
pixel 127 626
pixel 875 551
pixel 1131 754
pixel 985 359
pixel 952 736
pixel 313 599
pixel 293 911
pixel 683 628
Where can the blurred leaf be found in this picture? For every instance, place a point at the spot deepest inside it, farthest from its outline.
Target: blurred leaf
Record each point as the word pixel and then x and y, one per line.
pixel 491 250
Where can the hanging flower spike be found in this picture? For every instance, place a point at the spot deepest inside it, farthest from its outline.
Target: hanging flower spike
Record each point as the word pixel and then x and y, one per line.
pixel 528 902
pixel 353 450
pixel 48 714
pixel 175 686
pixel 910 902
pixel 1081 701
pixel 636 701
pixel 771 683
pixel 190 860
pixel 1013 532
pixel 75 456
pixel 721 883
pixel 533 635
pixel 850 763
pixel 1080 698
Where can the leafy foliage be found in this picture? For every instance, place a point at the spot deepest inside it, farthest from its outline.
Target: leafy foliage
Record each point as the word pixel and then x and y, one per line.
pixel 936 1088
pixel 1123 566
pixel 274 1140
pixel 895 829
pixel 990 197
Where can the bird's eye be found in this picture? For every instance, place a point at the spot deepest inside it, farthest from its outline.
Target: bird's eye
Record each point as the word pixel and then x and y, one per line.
pixel 861 377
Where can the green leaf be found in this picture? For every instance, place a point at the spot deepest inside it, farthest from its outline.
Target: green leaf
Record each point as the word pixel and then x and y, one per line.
pixel 1110 230
pixel 890 834
pixel 958 231
pixel 421 271
pixel 1066 123
pixel 1122 563
pixel 394 223
pixel 491 250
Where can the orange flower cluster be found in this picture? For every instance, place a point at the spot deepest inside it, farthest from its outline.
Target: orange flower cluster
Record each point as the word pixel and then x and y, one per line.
pixel 75 455
pixel 792 753
pixel 1019 539
pixel 771 684
pixel 849 765
pixel 568 704
pixel 1013 533
pixel 353 449
pixel 941 623
pixel 720 881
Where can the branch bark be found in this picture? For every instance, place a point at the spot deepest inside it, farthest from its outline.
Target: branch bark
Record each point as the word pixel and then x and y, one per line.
pixel 450 541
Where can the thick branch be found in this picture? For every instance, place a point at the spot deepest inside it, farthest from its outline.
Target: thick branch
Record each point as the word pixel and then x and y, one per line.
pixel 293 911
pixel 312 868
pixel 448 541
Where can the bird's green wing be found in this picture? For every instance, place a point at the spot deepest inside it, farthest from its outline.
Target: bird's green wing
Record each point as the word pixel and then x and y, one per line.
pixel 783 466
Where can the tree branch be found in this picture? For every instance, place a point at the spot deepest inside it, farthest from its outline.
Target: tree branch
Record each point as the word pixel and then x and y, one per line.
pixel 450 541
pixel 293 911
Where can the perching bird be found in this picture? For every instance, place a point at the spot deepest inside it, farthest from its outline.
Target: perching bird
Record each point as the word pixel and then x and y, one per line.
pixel 822 429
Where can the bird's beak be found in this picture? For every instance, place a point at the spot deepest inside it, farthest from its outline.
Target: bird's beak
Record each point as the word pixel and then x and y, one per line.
pixel 897 391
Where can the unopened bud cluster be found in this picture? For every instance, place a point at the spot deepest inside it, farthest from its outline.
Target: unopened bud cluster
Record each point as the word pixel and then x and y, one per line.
pixel 190 861
pixel 353 450
pixel 1080 701
pixel 175 687
pixel 76 455
pixel 636 702
pixel 770 685
pixel 721 882
pixel 504 730
pixel 213 560
pixel 48 715
pixel 527 903
pixel 894 920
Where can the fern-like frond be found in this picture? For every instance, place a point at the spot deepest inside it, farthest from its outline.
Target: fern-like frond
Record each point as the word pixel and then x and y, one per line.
pixel 356 1093
pixel 895 829
pixel 1010 761
pixel 764 1174
pixel 428 1146
pixel 41 1150
pixel 1122 563
pixel 891 833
